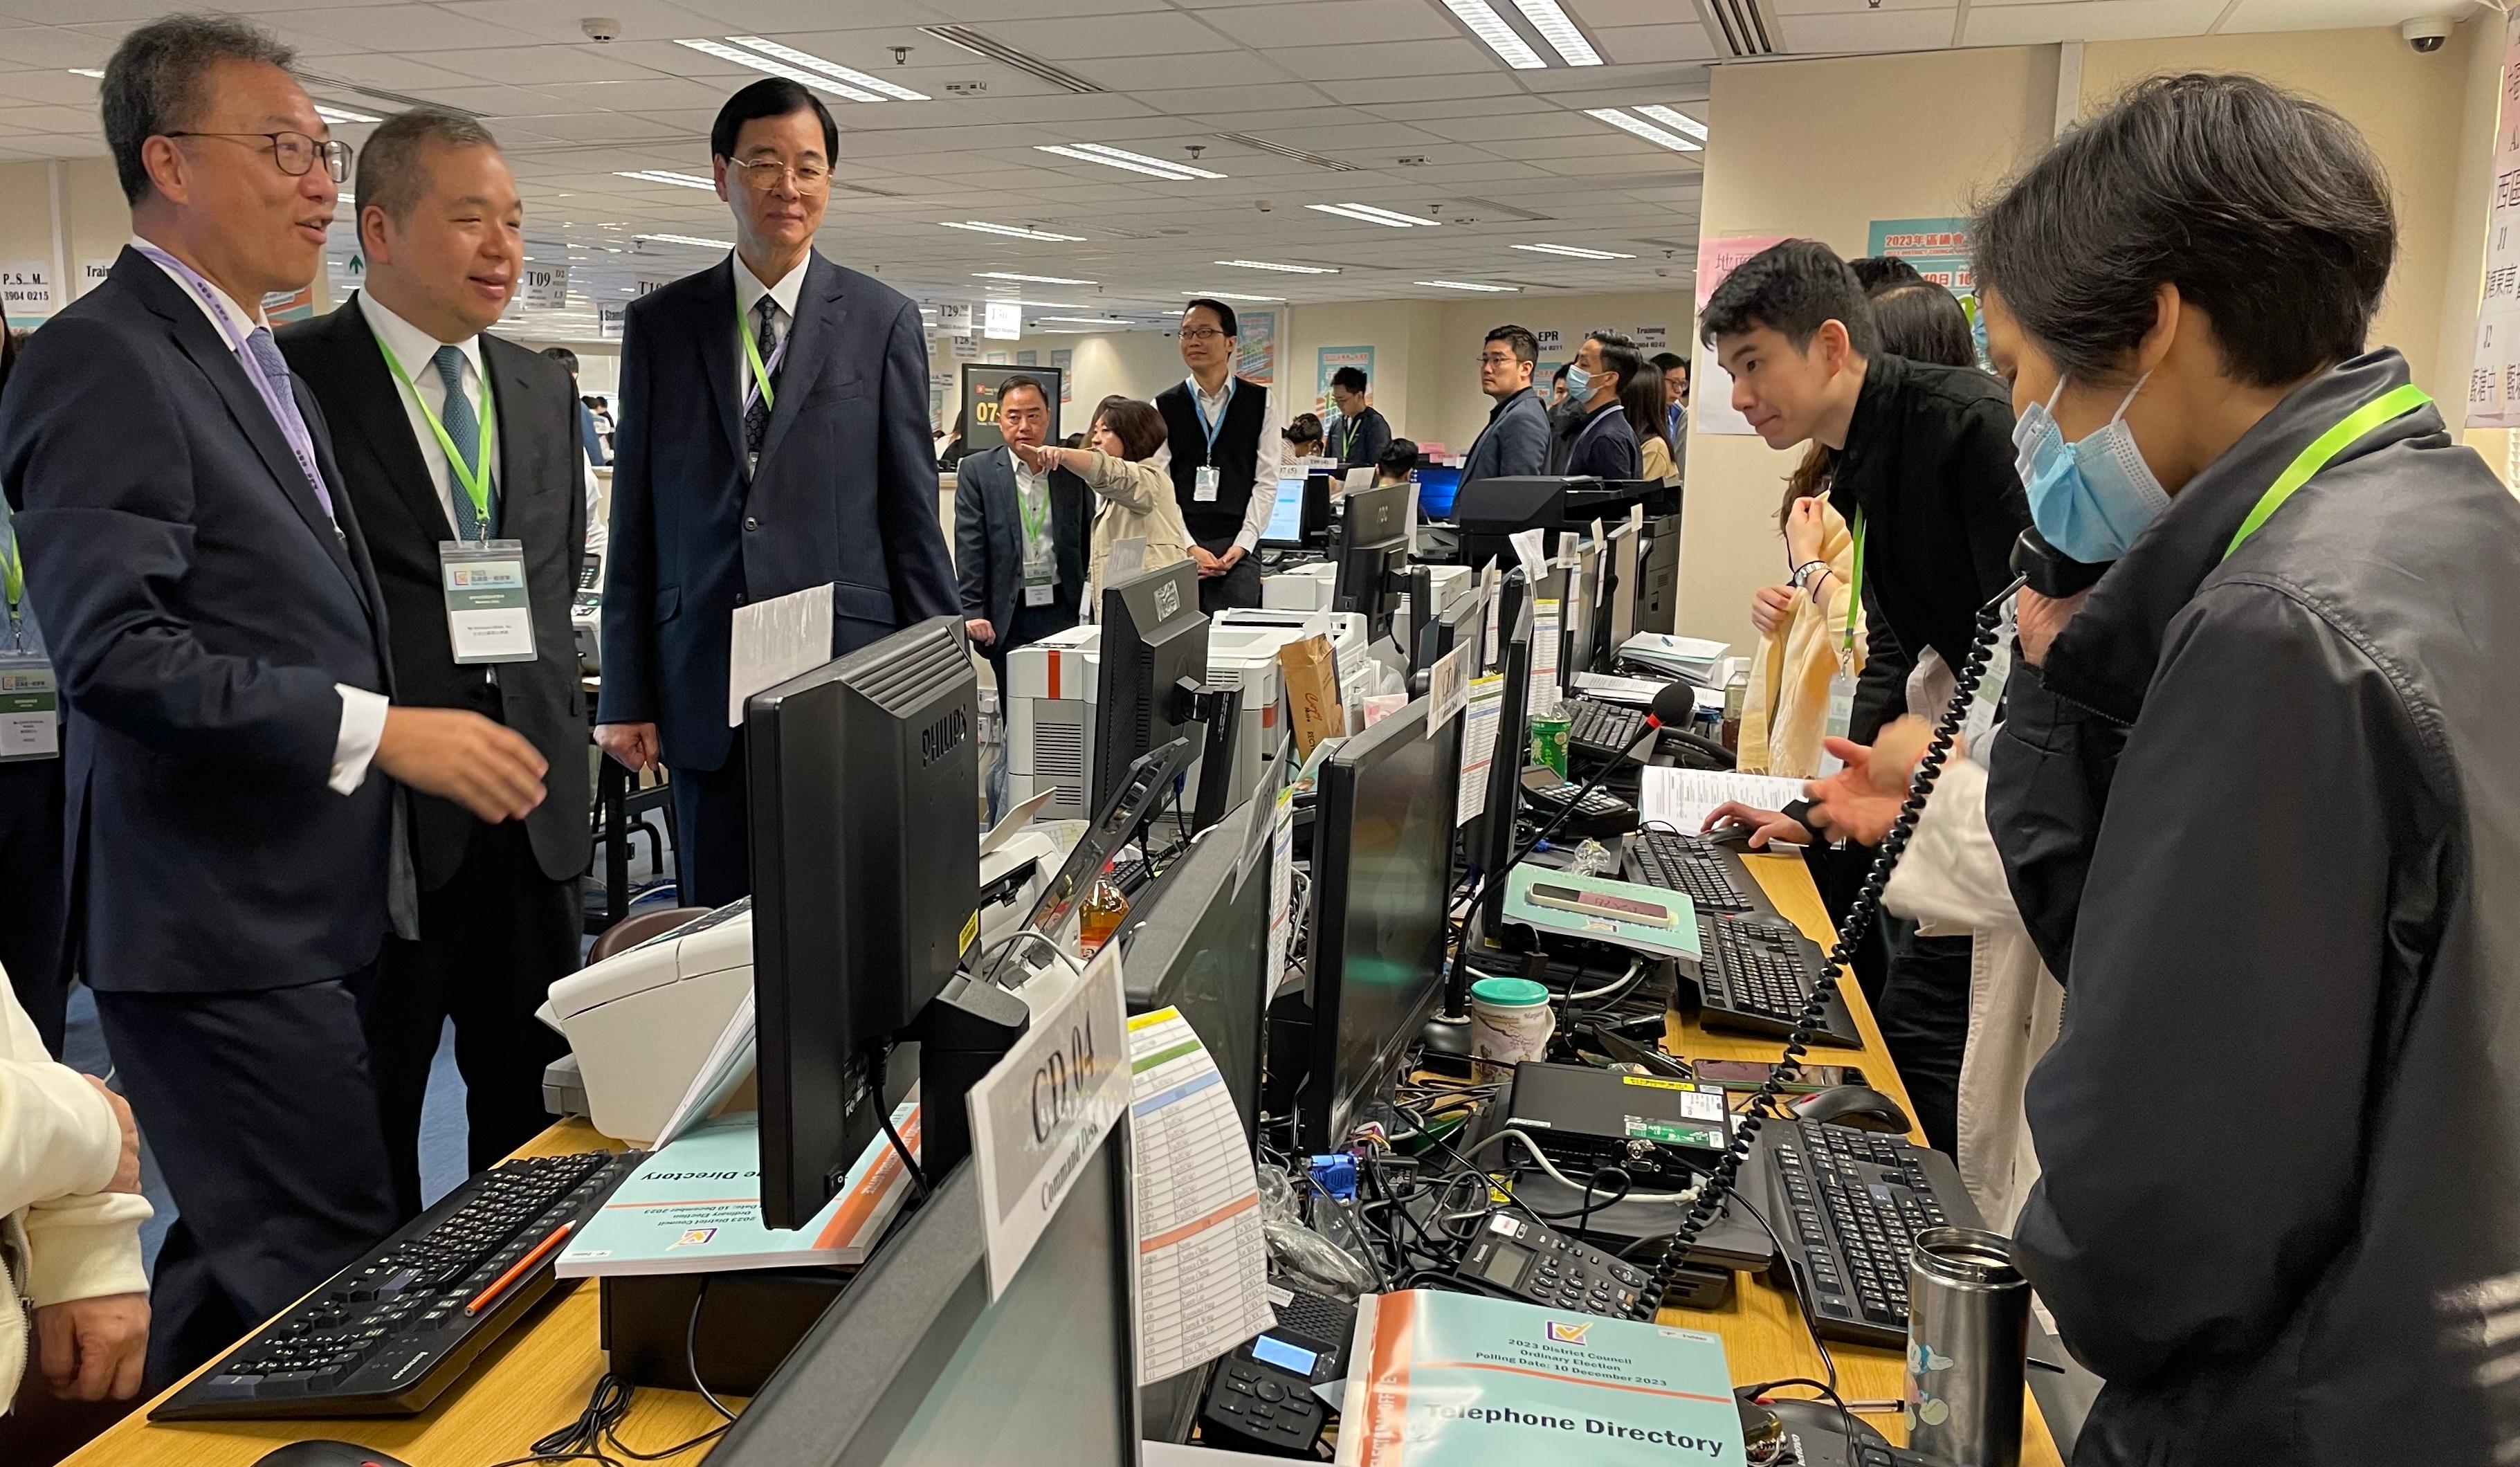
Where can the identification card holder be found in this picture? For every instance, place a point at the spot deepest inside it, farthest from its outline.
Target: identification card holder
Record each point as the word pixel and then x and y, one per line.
pixel 489 616
pixel 1841 717
pixel 1038 592
pixel 30 701
pixel 1203 487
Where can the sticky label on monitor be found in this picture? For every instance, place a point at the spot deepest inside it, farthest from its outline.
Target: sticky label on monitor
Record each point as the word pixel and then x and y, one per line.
pixel 1671 1133
pixel 971 930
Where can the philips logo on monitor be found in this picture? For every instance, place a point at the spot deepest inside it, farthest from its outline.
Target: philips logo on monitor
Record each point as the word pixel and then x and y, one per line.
pixel 943 737
pixel 1167 600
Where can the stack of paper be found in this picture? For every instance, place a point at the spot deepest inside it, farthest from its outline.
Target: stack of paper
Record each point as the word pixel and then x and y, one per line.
pixel 1683 799
pixel 694 1207
pixel 1202 1261
pixel 1692 658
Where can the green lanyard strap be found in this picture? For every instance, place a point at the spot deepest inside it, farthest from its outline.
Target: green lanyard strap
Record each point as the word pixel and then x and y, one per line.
pixel 753 356
pixel 1855 586
pixel 2322 451
pixel 476 485
pixel 13 572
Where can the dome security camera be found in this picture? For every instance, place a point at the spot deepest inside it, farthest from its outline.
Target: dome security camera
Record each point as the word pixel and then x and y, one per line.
pixel 2426 33
pixel 602 29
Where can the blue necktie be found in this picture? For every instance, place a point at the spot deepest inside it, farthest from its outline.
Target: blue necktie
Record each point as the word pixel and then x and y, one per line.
pixel 292 427
pixel 465 427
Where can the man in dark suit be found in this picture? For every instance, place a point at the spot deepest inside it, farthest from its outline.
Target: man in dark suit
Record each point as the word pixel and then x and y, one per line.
pixel 220 640
pixel 773 439
pixel 1222 455
pixel 1018 533
pixel 402 371
pixel 1596 438
pixel 1515 441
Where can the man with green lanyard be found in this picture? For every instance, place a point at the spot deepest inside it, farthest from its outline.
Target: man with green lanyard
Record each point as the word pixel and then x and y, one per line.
pixel 462 455
pixel 2258 800
pixel 1360 432
pixel 34 897
pixel 1019 533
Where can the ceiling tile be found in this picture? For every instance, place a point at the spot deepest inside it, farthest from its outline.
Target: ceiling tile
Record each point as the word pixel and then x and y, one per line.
pixel 2088 20
pixel 1645 44
pixel 1424 60
pixel 1333 23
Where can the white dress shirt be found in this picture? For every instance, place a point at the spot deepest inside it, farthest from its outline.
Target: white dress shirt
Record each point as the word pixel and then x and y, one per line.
pixel 1264 474
pixel 363 713
pixel 417 349
pixel 1040 546
pixel 748 288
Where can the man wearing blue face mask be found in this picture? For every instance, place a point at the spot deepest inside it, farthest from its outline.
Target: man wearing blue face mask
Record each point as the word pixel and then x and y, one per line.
pixel 2258 799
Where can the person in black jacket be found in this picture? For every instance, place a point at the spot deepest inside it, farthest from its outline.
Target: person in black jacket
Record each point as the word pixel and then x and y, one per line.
pixel 1360 431
pixel 2258 797
pixel 1595 436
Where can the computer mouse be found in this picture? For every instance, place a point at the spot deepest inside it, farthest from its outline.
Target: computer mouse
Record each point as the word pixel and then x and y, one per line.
pixel 1859 1106
pixel 326 1454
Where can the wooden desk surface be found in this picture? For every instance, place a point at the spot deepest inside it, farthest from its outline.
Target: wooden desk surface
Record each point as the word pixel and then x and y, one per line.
pixel 538 1377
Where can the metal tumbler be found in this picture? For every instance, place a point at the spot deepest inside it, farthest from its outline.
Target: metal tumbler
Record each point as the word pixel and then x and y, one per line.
pixel 1969 1338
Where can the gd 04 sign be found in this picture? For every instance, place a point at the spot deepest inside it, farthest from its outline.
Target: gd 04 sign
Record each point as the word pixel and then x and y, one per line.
pixel 1038 1115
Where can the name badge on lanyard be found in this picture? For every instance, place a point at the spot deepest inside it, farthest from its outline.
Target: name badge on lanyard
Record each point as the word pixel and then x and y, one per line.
pixel 488 617
pixel 1204 485
pixel 30 726
pixel 1841 684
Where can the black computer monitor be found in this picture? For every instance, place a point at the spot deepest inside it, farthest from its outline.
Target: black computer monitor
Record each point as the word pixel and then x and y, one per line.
pixel 1373 552
pixel 1198 940
pixel 1382 864
pixel 916 1367
pixel 1154 641
pixel 1491 840
pixel 866 858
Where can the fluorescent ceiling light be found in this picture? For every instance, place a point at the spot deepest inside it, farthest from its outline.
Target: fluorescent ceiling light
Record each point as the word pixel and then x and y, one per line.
pixel 1501 39
pixel 687 239
pixel 1466 285
pixel 1369 214
pixel 1558 30
pixel 1086 320
pixel 1044 304
pixel 1122 155
pixel 798 75
pixel 1011 231
pixel 1642 128
pixel 1675 119
pixel 1574 251
pixel 833 70
pixel 1263 264
pixel 87 71
pixel 667 176
pixel 1035 279
pixel 331 114
pixel 1166 172
pixel 1230 295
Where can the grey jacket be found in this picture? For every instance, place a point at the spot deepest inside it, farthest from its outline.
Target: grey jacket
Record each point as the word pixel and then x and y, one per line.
pixel 2268 807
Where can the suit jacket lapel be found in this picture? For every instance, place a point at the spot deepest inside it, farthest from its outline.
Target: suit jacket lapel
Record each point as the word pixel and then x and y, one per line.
pixel 520 450
pixel 208 349
pixel 718 355
pixel 819 312
pixel 387 423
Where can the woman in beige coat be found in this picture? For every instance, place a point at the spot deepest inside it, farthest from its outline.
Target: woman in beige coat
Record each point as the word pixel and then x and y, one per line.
pixel 1136 498
pixel 71 1212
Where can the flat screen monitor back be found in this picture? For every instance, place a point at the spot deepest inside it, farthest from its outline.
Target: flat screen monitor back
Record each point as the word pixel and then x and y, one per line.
pixel 915 1366
pixel 1382 866
pixel 1154 636
pixel 1374 549
pixel 1200 942
pixel 866 863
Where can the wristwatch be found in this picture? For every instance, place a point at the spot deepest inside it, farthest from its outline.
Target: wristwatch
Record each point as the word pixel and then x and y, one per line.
pixel 1808 571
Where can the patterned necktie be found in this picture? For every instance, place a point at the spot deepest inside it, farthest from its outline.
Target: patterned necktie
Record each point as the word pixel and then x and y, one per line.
pixel 275 370
pixel 465 427
pixel 769 330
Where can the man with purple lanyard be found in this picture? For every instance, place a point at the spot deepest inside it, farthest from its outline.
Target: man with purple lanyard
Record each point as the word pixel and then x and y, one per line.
pixel 219 639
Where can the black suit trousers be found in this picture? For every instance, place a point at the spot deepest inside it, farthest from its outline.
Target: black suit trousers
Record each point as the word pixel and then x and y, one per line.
pixel 492 939
pixel 1239 587
pixel 34 896
pixel 712 832
pixel 260 1111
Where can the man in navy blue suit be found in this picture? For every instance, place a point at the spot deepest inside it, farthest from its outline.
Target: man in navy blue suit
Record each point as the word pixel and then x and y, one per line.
pixel 773 437
pixel 220 641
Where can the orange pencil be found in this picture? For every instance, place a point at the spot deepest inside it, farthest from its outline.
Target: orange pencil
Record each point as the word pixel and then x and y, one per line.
pixel 519 1268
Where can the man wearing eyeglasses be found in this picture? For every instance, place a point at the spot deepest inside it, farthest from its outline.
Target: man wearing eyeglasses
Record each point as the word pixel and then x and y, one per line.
pixel 220 642
pixel 1222 456
pixel 773 439
pixel 1515 441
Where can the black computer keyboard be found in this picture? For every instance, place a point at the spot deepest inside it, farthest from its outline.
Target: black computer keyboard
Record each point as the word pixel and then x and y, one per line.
pixel 1755 976
pixel 1848 1206
pixel 389 1334
pixel 1604 730
pixel 1692 865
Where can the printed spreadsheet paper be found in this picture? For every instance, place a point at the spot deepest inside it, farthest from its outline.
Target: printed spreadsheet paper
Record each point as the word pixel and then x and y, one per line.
pixel 1202 1263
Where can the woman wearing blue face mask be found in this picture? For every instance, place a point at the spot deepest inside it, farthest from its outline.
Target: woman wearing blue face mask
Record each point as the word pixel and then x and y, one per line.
pixel 2258 797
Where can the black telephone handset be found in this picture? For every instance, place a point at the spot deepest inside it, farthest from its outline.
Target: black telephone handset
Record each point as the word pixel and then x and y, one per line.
pixel 2069 577
pixel 2046 570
